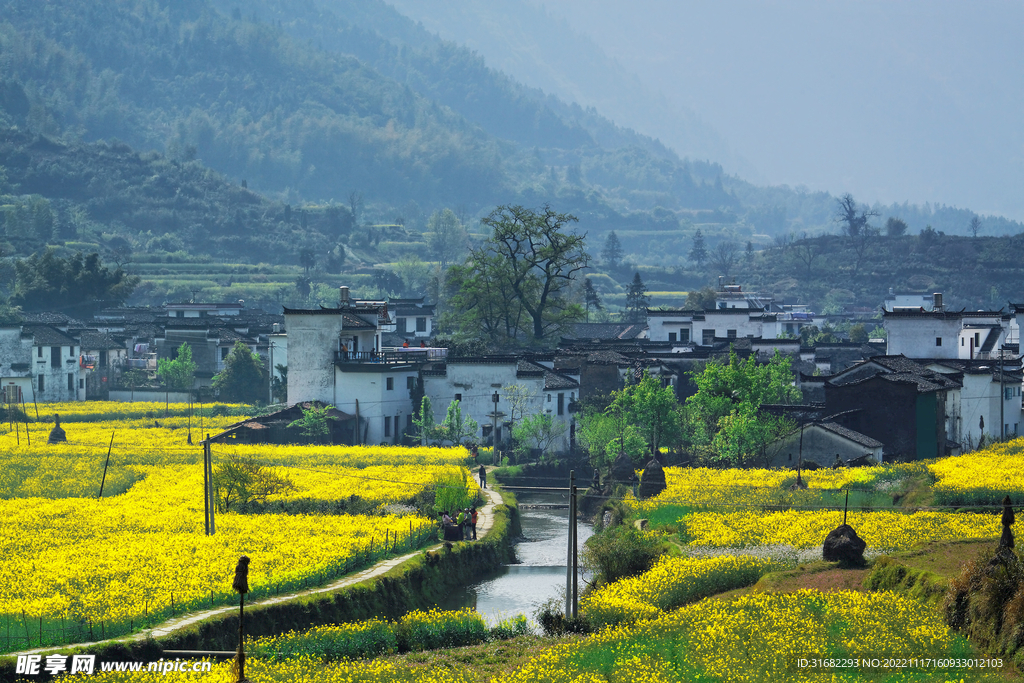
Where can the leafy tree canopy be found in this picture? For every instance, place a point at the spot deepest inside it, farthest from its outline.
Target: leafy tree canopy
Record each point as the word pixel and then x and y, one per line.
pixel 49 282
pixel 178 373
pixel 243 379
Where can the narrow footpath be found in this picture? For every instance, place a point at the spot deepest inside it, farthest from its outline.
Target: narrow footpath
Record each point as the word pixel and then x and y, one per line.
pixel 484 524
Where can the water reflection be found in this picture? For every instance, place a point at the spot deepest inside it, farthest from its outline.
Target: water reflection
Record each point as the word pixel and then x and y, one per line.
pixel 521 588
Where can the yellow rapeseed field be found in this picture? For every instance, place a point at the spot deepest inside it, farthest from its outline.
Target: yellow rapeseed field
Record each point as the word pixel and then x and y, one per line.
pixel 671 583
pixel 883 530
pixel 704 487
pixel 758 637
pixel 981 477
pixel 130 556
pixel 123 558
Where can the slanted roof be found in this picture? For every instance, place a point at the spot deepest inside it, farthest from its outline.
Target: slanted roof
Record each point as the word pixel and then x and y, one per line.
pixel 556 380
pixel 607 331
pixel 93 340
pixel 47 335
pixel 856 437
pixel 52 318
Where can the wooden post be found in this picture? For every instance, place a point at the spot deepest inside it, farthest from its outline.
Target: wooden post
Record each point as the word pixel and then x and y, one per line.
pixel 846 506
pixel 109 448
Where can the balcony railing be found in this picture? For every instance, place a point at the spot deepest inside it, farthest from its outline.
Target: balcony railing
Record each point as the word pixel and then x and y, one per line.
pixel 391 356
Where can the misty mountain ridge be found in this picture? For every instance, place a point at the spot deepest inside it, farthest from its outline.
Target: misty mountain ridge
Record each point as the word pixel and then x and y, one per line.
pixel 310 102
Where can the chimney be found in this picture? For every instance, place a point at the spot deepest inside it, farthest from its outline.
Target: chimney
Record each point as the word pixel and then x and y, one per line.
pixel 937 301
pixel 892 292
pixel 343 300
pixel 277 328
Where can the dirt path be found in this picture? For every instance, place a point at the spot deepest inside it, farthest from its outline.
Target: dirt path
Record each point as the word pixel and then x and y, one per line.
pixel 484 525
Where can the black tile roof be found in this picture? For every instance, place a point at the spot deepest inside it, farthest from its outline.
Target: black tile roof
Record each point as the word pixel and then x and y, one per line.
pixel 856 437
pixel 47 335
pixel 92 340
pixel 555 380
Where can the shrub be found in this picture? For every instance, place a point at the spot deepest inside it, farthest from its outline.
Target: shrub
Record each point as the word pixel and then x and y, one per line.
pixel 511 628
pixel 620 552
pixel 430 630
pixel 552 619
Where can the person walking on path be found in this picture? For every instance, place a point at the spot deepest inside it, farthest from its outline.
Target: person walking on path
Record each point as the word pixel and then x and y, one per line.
pixel 483 477
pixel 472 521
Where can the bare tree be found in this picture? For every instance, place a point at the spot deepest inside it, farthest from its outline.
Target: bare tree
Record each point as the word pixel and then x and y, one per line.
pixel 975 226
pixel 852 222
pixel 724 257
pixel 806 252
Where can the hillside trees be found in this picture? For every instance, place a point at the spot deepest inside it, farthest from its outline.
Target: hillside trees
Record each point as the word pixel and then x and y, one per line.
pixel 637 300
pixel 612 252
pixel 446 237
pixel 76 283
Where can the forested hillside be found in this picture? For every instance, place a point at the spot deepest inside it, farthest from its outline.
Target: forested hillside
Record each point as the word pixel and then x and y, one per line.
pixel 319 138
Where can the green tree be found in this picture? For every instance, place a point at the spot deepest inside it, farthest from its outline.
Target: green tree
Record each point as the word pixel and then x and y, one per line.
pixel 852 220
pixel 729 396
pixel 179 373
pixel 612 251
pixel 701 299
pixel 446 237
pixel 455 427
pixel 423 420
pixel 48 282
pixel 480 302
pixel 243 379
pixel 241 480
pixel 314 423
pixel 699 251
pixel 637 300
pixel 539 430
pixel 895 227
pixel 859 333
pixel 974 227
pixel 590 297
pixel 540 263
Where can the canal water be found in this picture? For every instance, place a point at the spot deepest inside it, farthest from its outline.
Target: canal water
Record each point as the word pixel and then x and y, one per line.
pixel 540 571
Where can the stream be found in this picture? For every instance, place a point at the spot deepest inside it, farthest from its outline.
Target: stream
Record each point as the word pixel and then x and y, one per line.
pixel 540 573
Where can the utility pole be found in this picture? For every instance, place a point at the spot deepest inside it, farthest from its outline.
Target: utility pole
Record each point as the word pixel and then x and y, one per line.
pixel 494 428
pixel 1002 398
pixel 211 500
pixel 570 555
pixel 206 490
pixel 575 555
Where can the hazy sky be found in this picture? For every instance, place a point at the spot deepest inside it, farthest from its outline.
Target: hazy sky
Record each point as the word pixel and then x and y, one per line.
pixel 892 101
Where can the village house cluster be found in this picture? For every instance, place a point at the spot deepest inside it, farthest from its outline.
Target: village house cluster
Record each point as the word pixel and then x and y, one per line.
pixel 942 382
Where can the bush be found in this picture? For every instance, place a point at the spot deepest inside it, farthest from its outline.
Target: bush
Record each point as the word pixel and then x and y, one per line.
pixel 620 552
pixel 431 630
pixel 552 619
pixel 511 628
pixel 986 602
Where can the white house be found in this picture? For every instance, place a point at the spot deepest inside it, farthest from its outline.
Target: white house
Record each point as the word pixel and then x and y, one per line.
pixel 40 363
pixel 821 442
pixel 984 401
pixel 334 355
pixel 475 382
pixel 414 319
pixel 940 333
